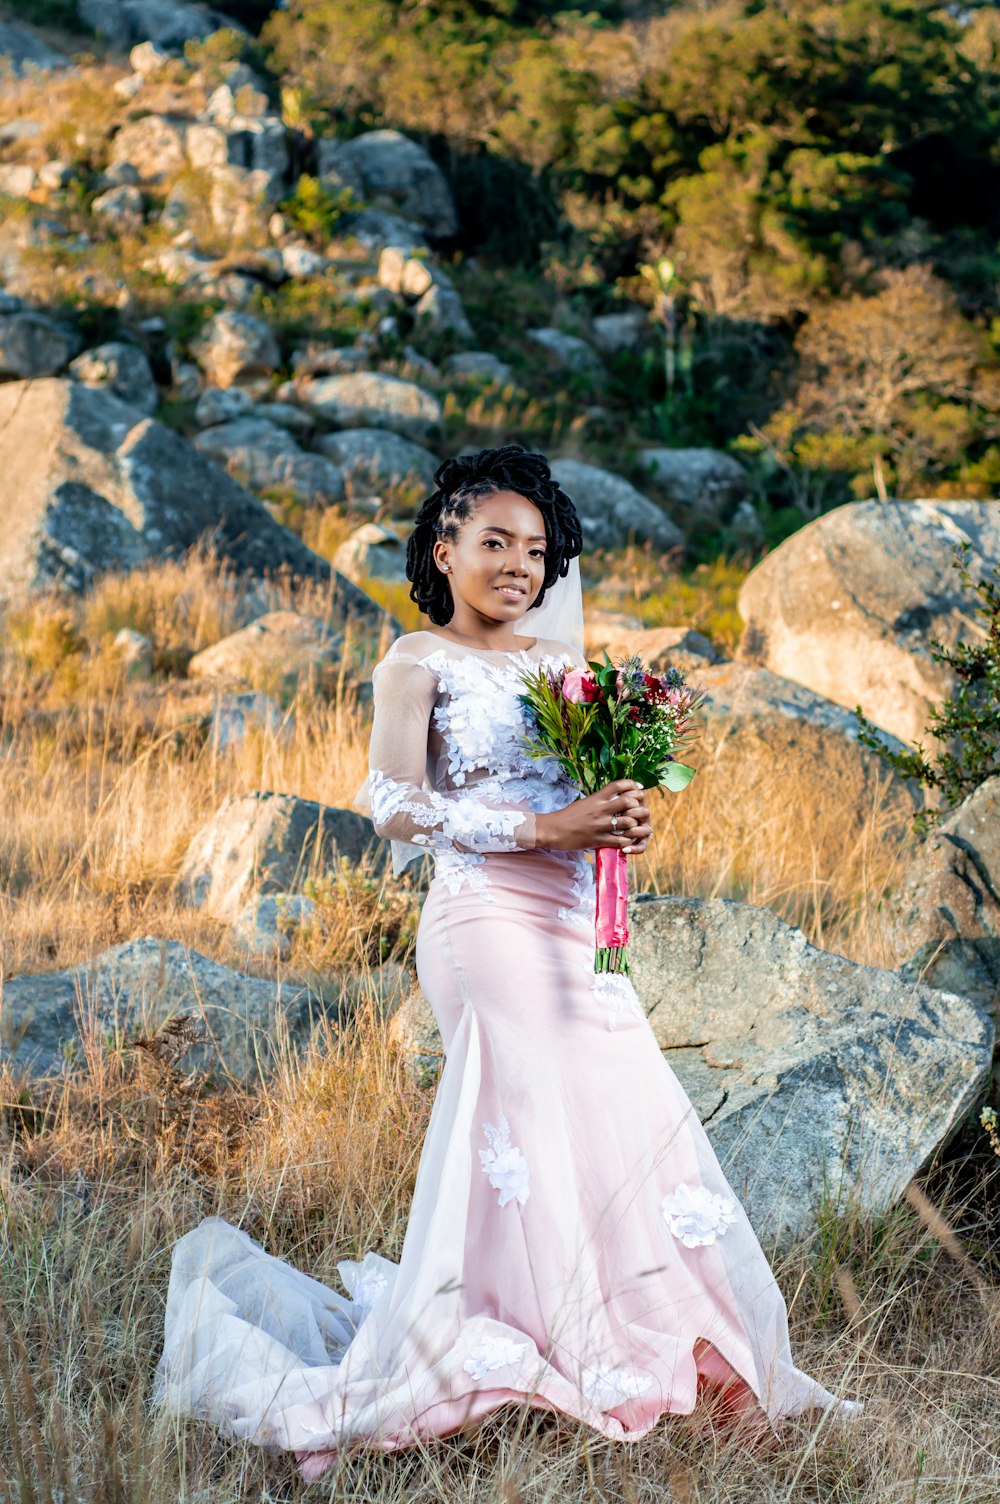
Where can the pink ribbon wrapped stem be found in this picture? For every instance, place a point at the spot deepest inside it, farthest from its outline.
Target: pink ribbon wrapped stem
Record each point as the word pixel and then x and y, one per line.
pixel 612 910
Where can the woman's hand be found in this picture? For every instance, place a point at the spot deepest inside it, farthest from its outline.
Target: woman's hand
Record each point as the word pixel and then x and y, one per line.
pixel 586 823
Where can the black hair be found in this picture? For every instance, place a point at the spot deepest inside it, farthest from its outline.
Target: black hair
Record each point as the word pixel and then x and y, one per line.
pixel 459 484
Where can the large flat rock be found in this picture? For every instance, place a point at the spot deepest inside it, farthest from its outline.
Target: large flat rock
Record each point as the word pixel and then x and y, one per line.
pixel 394 173
pixel 268 843
pixel 368 399
pixel 611 509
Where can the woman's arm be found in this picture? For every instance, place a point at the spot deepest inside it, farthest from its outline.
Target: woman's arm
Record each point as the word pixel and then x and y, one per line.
pixel 402 807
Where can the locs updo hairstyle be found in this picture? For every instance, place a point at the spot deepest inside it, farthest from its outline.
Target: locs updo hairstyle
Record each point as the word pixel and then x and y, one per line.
pixel 460 483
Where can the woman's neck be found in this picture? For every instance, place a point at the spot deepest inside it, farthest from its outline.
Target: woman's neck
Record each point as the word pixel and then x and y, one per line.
pixel 497 637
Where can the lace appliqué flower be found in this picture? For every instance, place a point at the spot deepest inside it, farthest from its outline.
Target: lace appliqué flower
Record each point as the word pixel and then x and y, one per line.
pixel 618 994
pixel 482 721
pixel 606 1386
pixel 504 1164
pixel 477 825
pixel 493 1353
pixel 581 912
pixel 696 1215
pixel 463 870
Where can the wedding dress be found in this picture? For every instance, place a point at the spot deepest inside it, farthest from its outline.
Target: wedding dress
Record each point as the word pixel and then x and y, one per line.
pixel 573 1242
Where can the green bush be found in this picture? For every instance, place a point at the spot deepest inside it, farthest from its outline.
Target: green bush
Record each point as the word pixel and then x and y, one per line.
pixel 314 211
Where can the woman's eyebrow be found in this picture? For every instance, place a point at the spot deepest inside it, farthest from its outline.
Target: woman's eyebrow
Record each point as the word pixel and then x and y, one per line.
pixel 535 537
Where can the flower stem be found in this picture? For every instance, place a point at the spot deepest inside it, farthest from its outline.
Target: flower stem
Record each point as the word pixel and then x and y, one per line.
pixel 611 958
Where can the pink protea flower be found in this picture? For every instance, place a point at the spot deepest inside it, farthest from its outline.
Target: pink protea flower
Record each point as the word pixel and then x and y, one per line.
pixel 579 687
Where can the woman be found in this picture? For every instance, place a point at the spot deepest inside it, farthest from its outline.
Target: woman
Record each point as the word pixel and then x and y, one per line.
pixel 573 1243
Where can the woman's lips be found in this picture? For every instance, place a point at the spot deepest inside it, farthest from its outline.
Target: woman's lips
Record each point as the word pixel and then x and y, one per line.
pixel 512 592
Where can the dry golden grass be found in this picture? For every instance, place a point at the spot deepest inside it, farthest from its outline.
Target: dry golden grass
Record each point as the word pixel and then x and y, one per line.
pixel 76 111
pixel 101 789
pixel 782 846
pixel 105 783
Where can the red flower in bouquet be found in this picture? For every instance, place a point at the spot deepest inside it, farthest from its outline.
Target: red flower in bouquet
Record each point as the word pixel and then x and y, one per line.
pixel 580 687
pixel 606 722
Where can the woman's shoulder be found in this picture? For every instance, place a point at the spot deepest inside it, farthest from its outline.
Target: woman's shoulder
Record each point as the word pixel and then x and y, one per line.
pixel 417 645
pixel 416 649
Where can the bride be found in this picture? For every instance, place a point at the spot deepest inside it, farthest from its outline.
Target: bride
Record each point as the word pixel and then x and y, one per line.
pixel 573 1243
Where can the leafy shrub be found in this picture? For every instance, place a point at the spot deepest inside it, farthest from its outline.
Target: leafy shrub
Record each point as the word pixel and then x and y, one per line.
pixel 314 211
pixel 213 55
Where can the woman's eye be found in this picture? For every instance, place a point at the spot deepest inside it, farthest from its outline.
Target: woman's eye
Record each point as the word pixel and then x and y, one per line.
pixel 539 553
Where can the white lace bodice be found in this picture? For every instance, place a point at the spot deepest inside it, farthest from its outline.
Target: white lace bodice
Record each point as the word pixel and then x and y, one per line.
pixel 446 770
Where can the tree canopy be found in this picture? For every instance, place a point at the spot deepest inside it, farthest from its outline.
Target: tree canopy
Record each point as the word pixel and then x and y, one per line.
pixel 792 159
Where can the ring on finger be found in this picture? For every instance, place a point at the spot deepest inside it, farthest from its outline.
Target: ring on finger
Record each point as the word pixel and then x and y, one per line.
pixel 614 825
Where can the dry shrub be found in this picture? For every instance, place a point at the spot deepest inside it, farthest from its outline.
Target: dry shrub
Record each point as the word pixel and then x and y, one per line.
pixel 91 826
pixel 359 918
pixel 43 636
pixel 333 1155
pixel 182 606
pixel 324 529
pixel 104 782
pixel 395 598
pixel 76 108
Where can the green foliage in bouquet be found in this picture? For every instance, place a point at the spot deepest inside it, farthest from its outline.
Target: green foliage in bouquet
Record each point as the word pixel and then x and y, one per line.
pixel 966 726
pixel 615 721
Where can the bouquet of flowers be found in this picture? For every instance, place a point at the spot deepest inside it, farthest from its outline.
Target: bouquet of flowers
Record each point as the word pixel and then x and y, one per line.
pixel 605 722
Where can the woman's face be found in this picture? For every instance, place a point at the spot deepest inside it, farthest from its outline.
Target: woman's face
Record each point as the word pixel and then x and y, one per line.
pixel 496 567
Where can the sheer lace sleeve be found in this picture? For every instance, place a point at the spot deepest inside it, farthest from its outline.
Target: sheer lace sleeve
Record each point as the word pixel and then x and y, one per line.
pixel 413 816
